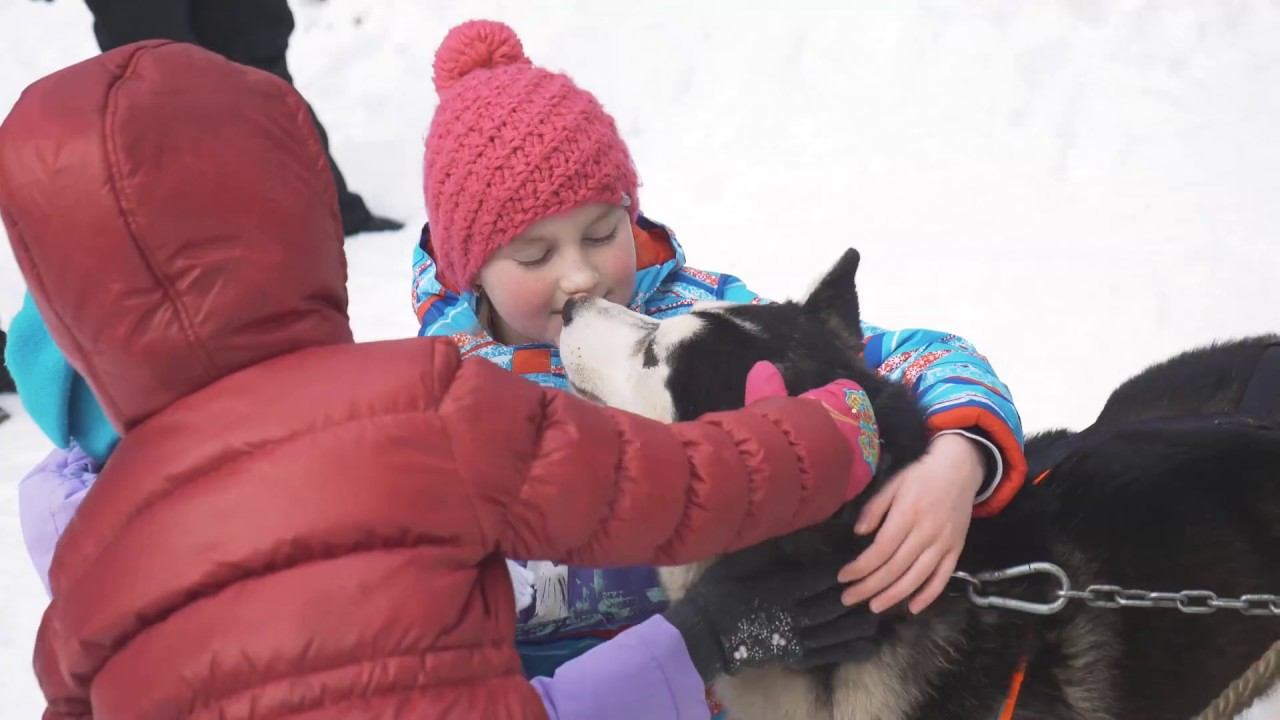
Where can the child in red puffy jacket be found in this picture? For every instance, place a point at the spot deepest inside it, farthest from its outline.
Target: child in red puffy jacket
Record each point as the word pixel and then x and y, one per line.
pixel 293 523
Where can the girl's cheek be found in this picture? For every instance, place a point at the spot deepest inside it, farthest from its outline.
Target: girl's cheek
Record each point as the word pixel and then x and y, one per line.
pixel 531 298
pixel 624 277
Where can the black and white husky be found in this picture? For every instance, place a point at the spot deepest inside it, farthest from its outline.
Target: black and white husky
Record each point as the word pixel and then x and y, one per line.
pixel 1172 489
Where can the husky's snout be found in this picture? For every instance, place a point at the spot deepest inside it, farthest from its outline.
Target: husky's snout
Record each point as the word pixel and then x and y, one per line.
pixel 570 306
pixel 604 347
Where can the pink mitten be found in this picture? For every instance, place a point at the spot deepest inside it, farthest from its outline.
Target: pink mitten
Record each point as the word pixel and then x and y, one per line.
pixel 849 407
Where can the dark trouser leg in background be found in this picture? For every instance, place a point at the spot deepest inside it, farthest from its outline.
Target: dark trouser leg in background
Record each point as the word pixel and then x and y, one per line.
pixel 250 32
pixel 120 22
pixel 6 382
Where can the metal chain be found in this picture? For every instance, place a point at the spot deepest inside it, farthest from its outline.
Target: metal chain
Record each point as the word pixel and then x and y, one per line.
pixel 1195 602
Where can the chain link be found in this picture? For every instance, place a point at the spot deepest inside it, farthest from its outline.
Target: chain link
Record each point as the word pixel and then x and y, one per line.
pixel 1193 602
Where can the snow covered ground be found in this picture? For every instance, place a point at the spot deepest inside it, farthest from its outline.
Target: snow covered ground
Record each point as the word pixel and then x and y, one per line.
pixel 1080 187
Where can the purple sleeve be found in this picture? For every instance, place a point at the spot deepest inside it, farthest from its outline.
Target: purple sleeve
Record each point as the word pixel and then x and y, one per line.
pixel 47 498
pixel 642 674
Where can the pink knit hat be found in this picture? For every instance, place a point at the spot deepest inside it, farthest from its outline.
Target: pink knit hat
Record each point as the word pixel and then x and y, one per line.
pixel 510 144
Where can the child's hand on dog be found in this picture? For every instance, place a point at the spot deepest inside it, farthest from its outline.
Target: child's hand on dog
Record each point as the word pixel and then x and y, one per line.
pixel 925 509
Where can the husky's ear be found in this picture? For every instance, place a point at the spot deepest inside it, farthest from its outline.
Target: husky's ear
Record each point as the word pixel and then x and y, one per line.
pixel 835 299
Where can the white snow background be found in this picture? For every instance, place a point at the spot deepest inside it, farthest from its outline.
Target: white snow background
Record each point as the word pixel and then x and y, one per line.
pixel 1079 187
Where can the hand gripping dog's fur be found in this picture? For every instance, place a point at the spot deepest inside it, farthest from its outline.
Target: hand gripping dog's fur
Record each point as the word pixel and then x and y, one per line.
pixel 1157 495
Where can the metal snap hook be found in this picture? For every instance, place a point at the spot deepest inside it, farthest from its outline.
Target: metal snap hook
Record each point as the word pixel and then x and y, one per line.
pixel 976 581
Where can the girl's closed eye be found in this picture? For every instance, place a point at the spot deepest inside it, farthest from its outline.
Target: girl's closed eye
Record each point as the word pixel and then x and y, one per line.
pixel 534 257
pixel 605 239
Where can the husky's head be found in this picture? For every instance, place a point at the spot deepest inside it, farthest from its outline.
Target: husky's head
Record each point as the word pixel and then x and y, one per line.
pixel 686 366
pixel 683 367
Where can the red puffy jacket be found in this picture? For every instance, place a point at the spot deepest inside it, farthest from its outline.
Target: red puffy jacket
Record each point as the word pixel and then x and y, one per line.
pixel 296 525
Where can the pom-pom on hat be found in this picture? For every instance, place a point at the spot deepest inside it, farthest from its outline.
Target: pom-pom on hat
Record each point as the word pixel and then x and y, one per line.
pixel 510 144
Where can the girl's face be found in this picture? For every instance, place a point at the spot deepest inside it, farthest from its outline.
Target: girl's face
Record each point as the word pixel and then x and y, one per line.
pixel 586 251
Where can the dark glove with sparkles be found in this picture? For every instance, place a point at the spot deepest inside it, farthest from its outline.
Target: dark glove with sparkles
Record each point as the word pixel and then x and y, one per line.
pixel 749 610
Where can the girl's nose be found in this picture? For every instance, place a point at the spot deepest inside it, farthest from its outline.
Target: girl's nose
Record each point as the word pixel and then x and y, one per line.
pixel 579 278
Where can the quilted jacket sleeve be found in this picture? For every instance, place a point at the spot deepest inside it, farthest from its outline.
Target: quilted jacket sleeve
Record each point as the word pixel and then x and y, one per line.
pixel 582 484
pixel 958 390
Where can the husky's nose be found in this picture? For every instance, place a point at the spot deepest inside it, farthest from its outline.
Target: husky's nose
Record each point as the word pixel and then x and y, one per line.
pixel 566 312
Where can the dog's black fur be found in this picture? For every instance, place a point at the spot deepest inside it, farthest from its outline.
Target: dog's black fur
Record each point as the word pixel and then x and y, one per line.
pixel 1167 491
pixel 1208 381
pixel 812 344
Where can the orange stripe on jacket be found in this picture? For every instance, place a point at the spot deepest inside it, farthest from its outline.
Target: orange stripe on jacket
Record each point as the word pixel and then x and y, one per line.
pixel 425 306
pixel 653 247
pixel 524 362
pixel 1015 463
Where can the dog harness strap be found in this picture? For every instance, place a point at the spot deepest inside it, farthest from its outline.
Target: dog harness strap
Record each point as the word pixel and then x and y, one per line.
pixel 1015 686
pixel 1262 396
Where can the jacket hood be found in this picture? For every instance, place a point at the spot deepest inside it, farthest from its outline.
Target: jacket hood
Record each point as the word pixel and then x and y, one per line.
pixel 175 219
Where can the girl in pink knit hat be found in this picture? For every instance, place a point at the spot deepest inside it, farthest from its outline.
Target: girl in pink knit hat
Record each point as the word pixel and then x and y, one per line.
pixel 532 198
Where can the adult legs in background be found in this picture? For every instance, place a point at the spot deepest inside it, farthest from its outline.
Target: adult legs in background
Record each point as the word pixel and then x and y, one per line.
pixel 250 32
